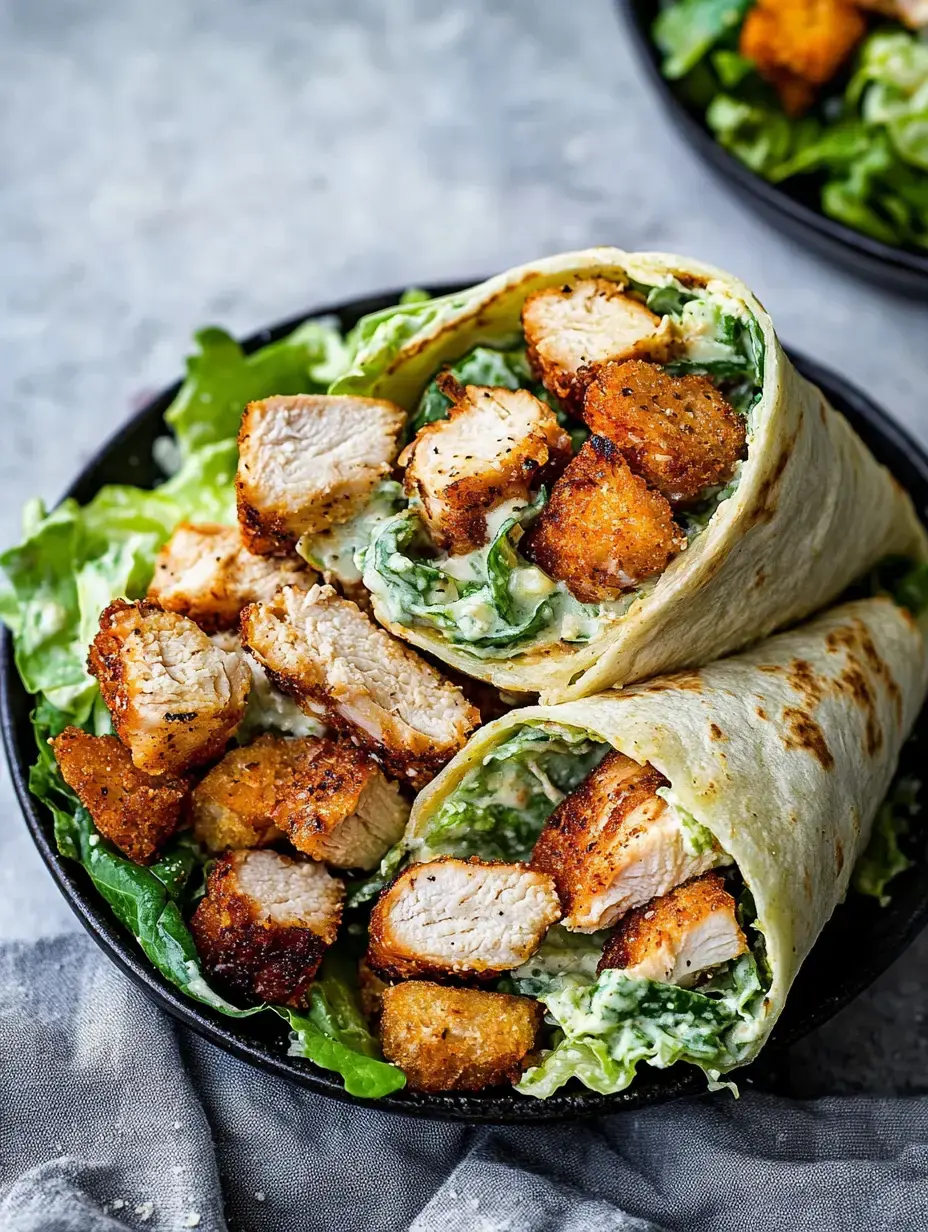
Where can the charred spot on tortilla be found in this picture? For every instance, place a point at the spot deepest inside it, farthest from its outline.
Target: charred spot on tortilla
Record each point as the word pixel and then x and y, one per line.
pixel 802 732
pixel 804 680
pixel 716 732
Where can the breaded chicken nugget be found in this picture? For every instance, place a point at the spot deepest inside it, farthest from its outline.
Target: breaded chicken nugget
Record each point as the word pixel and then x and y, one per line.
pixel 457 1039
pixel 800 41
pixel 174 696
pixel 603 531
pixel 495 445
pixel 674 938
pixel 308 462
pixel 137 812
pixel 676 432
pixel 265 923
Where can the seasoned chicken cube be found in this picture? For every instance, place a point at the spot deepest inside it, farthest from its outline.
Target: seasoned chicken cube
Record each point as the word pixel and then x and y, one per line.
pixel 233 806
pixel 460 917
pixel 325 652
pixel 457 1039
pixel 340 808
pixel 800 43
pixel 675 938
pixel 603 531
pixel 495 446
pixel 265 923
pixel 614 844
pixel 175 697
pixel 309 461
pixel 206 573
pixel 570 329
pixel 138 813
pixel 676 432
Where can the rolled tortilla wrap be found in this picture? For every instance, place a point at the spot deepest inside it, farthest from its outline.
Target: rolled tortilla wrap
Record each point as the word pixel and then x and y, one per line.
pixel 810 510
pixel 783 754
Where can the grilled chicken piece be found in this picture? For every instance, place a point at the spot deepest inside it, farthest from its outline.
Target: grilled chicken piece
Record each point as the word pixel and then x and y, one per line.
pixel 138 813
pixel 457 1039
pixel 570 329
pixel 325 652
pixel 175 697
pixel 265 923
pixel 797 45
pixel 206 573
pixel 614 844
pixel 676 432
pixel 675 938
pixel 460 918
pixel 309 461
pixel 603 531
pixel 339 807
pixel 495 446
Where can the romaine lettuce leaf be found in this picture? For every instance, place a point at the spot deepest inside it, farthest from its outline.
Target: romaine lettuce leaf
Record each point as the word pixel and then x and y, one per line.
pixel 687 31
pixel 333 1033
pixel 499 808
pixel 883 858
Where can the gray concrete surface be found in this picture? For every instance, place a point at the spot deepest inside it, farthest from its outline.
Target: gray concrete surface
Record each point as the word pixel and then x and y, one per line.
pixel 167 165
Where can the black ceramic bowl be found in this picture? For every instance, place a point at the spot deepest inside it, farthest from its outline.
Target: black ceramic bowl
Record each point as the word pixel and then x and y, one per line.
pixel 794 207
pixel 859 943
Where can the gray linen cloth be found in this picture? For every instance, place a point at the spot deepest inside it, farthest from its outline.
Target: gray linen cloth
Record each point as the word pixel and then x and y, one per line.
pixel 113 1117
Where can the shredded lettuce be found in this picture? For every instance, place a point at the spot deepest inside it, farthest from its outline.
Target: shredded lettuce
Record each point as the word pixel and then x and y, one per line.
pixel 883 858
pixel 608 1028
pixel 499 808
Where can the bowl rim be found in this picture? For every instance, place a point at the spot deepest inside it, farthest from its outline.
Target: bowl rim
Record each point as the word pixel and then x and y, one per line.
pixel 906 262
pixel 232 1034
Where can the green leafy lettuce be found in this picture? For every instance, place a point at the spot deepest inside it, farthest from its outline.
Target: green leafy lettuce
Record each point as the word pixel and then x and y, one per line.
pixel 865 144
pixel 883 858
pixel 606 1029
pixel 499 808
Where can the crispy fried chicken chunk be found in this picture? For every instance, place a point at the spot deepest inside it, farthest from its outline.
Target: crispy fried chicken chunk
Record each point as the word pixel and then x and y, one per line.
pixel 233 806
pixel 675 938
pixel 676 432
pixel 570 329
pixel 460 918
pixel 603 531
pixel 206 573
pixel 137 812
pixel 175 697
pixel 308 461
pixel 495 446
pixel 265 923
pixel 457 1039
pixel 325 652
pixel 614 844
pixel 339 807
pixel 912 13
pixel 800 44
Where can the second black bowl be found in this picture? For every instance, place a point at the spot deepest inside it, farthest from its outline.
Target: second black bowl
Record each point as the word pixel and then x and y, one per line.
pixel 793 209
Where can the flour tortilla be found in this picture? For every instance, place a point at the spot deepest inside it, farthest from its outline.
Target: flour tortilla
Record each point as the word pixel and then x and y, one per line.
pixel 813 509
pixel 785 753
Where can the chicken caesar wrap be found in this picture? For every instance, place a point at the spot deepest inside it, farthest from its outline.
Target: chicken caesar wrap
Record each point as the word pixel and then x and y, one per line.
pixel 699 831
pixel 610 470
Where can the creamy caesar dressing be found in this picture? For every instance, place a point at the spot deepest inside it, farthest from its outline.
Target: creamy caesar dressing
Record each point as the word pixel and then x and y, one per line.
pixel 335 552
pixel 269 710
